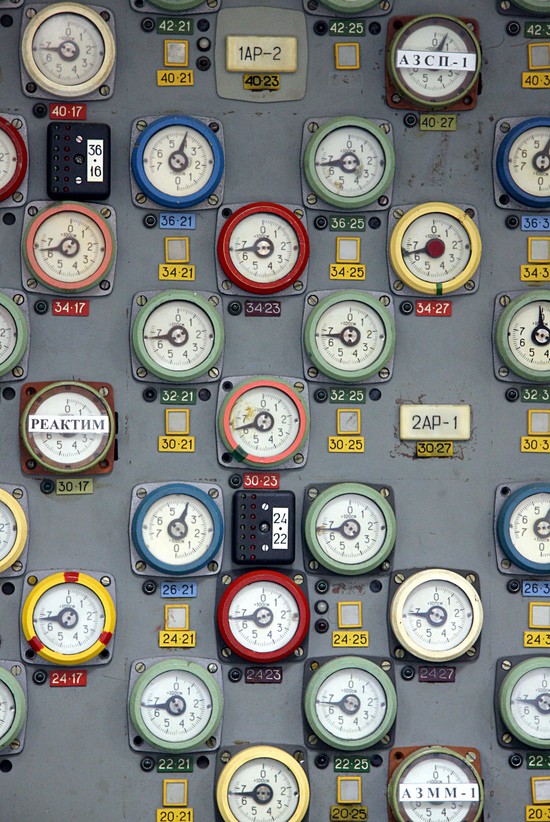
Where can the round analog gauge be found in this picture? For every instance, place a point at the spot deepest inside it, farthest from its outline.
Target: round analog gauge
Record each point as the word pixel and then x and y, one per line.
pixel 436 615
pixel 523 527
pixel 420 774
pixel 434 61
pixel 534 6
pixel 263 422
pixel 523 335
pixel 262 784
pixel 177 529
pixel 350 6
pixel 524 701
pixel 68 427
pixel 263 616
pixel 13 708
pixel 13 530
pixel 68 50
pixel 177 336
pixel 349 335
pixel 435 248
pixel 350 528
pixel 349 162
pixel 14 334
pixel 68 247
pixel 523 162
pixel 68 618
pixel 177 161
pixel 350 703
pixel 176 705
pixel 263 248
pixel 13 159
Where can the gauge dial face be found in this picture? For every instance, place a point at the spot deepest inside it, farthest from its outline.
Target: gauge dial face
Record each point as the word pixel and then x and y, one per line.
pixel 7 711
pixel 14 334
pixel 523 162
pixel 523 528
pixel 68 247
pixel 523 335
pixel 349 6
pixel 13 159
pixel 524 701
pixel 12 708
pixel 13 530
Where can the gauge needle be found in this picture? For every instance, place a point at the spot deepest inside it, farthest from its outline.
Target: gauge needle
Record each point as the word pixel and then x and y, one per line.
pixel 348 163
pixel 67 618
pixel 175 706
pixel 541 526
pixel 541 160
pixel 262 793
pixel 541 702
pixel 350 335
pixel 68 247
pixel 177 528
pixel 263 247
pixel 433 248
pixel 67 50
pixel 262 617
pixel 349 704
pixel 436 615
pixel 350 529
pixel 541 333
pixel 177 336
pixel 263 421
pixel 443 41
pixel 178 159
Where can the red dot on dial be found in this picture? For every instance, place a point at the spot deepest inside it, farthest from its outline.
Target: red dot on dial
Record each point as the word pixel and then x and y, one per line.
pixel 435 248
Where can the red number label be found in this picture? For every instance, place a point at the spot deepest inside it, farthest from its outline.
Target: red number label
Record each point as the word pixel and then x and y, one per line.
pixel 68 111
pixel 68 679
pixel 258 480
pixel 434 308
pixel 70 308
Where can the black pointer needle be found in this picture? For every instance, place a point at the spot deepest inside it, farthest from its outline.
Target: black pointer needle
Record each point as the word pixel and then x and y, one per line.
pixel 177 528
pixel 541 333
pixel 67 247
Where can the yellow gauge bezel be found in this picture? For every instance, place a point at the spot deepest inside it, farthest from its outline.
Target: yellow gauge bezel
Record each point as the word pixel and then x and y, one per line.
pixel 398 263
pixel 60 578
pixel 22 529
pixel 262 752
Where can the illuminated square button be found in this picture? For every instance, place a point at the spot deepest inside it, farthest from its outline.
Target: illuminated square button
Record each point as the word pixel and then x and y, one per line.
pixel 539 615
pixel 539 55
pixel 176 617
pixel 349 789
pixel 176 249
pixel 348 421
pixel 176 420
pixel 175 52
pixel 538 249
pixel 348 249
pixel 174 793
pixel 350 615
pixel 540 789
pixel 347 56
pixel 538 422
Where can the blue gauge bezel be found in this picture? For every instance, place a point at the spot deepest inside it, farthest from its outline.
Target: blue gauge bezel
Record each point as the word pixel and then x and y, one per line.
pixel 503 531
pixel 503 173
pixel 152 191
pixel 142 510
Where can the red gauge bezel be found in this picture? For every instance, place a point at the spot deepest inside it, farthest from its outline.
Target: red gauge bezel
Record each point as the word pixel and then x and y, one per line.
pixel 22 160
pixel 242 582
pixel 231 270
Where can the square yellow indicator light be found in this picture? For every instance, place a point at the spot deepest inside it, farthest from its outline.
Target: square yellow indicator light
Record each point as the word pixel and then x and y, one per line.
pixel 539 55
pixel 176 52
pixel 538 249
pixel 176 421
pixel 538 422
pixel 348 249
pixel 176 617
pixel 347 56
pixel 539 615
pixel 349 790
pixel 176 249
pixel 540 789
pixel 174 793
pixel 350 614
pixel 348 420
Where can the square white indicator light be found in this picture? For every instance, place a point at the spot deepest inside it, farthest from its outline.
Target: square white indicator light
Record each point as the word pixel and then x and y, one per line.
pixel 347 56
pixel 350 615
pixel 538 249
pixel 348 421
pixel 176 420
pixel 538 422
pixel 348 249
pixel 349 789
pixel 540 789
pixel 176 249
pixel 539 55
pixel 175 52
pixel 539 615
pixel 176 617
pixel 174 793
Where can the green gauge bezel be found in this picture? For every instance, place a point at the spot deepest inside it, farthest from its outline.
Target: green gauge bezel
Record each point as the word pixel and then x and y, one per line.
pixel 349 6
pixel 20 707
pixel 22 330
pixel 536 6
pixel 501 335
pixel 505 694
pixel 175 5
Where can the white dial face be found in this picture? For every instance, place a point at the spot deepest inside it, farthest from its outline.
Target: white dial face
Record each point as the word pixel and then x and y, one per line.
pixel 530 703
pixel 529 335
pixel 350 161
pixel 69 618
pixel 8 159
pixel 264 421
pixel 69 247
pixel 529 527
pixel 7 709
pixel 8 532
pixel 176 706
pixel 350 335
pixel 178 335
pixel 444 771
pixel 263 617
pixel 350 704
pixel 436 248
pixel 177 529
pixel 178 161
pixel 529 161
pixel 351 529
pixel 8 334
pixel 264 247
pixel 437 615
pixel 68 49
pixel 263 790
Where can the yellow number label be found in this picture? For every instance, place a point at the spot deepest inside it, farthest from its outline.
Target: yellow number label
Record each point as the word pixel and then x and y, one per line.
pixel 535 79
pixel 346 445
pixel 184 77
pixel 177 444
pixel 339 813
pixel 538 813
pixel 350 639
pixel 176 272
pixel 427 448
pixel 534 273
pixel 262 82
pixel 438 122
pixel 175 815
pixel 348 271
pixel 177 639
pixel 69 487
pixel 535 445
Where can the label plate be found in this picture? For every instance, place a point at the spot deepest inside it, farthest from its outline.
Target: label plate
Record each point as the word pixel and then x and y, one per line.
pixel 174 814
pixel 263 676
pixel 68 111
pixel 346 445
pixel 262 82
pixel 351 764
pixel 427 448
pixel 347 222
pixel 540 813
pixel 186 221
pixel 533 30
pixel 176 271
pixel 341 813
pixel 174 764
pixel 178 396
pixel 535 223
pixel 534 273
pixel 535 588
pixel 262 308
pixel 178 590
pixel 177 639
pixel 438 122
pixel 436 673
pixel 178 78
pixel 538 761
pixel 254 479
pixel 350 639
pixel 349 395
pixel 535 79
pixel 262 54
pixel 175 25
pixel 346 28
pixel 70 308
pixel 347 271
pixel 535 445
pixel 74 487
pixel 176 444
pixel 438 422
pixel 68 679
pixel 433 308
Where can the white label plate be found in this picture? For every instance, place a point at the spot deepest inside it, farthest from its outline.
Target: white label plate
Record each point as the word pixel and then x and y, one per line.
pixel 434 422
pixel 436 60
pixel 256 53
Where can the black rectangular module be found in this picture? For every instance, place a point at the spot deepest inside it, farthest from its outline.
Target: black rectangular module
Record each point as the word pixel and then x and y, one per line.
pixel 79 161
pixel 263 528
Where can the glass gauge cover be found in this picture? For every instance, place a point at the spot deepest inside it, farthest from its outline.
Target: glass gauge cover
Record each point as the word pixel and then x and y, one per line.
pixel 177 161
pixel 523 162
pixel 523 527
pixel 262 784
pixel 349 6
pixel 13 530
pixel 350 528
pixel 177 529
pixel 349 336
pixel 523 335
pixel 68 50
pixel 175 5
pixel 13 159
pixel 68 618
pixel 534 6
pixel 176 705
pixel 13 708
pixel 436 615
pixel 68 247
pixel 177 336
pixel 434 61
pixel 349 162
pixel 350 703
pixel 263 248
pixel 423 771
pixel 435 248
pixel 68 427
pixel 263 616
pixel 524 701
pixel 14 334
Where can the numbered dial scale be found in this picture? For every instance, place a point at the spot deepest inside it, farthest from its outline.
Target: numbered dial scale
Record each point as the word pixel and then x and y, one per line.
pixel 177 161
pixel 13 160
pixel 13 709
pixel 434 249
pixel 264 422
pixel 524 701
pixel 523 335
pixel 351 6
pixel 523 162
pixel 177 528
pixel 433 62
pixel 14 529
pixel 68 618
pixel 68 50
pixel 263 248
pixel 434 774
pixel 263 616
pixel 436 615
pixel 350 528
pixel 350 703
pixel 349 336
pixel 349 162
pixel 175 705
pixel 262 784
pixel 523 527
pixel 14 335
pixel 68 427
pixel 69 248
pixel 177 336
